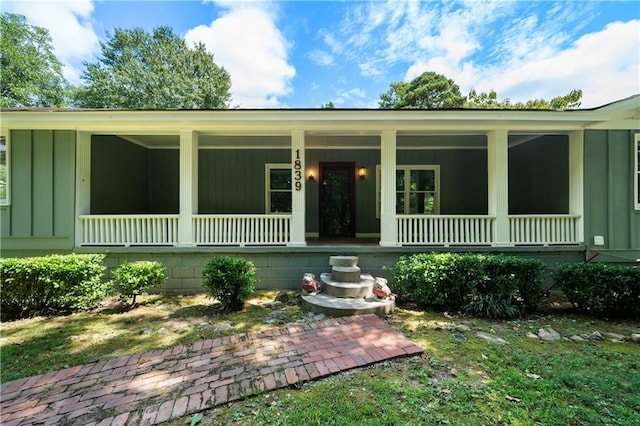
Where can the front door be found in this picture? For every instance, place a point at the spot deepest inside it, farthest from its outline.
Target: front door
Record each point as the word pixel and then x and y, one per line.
pixel 337 200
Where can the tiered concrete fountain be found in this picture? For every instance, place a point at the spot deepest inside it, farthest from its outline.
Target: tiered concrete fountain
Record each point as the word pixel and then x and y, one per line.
pixel 346 291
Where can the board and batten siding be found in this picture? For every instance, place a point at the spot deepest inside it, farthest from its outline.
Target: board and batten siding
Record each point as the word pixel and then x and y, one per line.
pixel 609 203
pixel 40 216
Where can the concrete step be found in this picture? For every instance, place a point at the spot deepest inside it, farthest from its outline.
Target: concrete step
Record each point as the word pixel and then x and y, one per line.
pixel 338 306
pixel 346 274
pixel 343 260
pixel 358 288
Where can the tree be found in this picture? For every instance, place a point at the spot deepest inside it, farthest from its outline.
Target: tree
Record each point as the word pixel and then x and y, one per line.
pixel 31 73
pixel 153 71
pixel 429 90
pixel 484 100
pixel 329 105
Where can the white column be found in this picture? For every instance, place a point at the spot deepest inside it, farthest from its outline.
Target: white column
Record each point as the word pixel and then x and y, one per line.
pixel 388 226
pixel 83 181
pixel 188 186
pixel 576 179
pixel 498 175
pixel 298 189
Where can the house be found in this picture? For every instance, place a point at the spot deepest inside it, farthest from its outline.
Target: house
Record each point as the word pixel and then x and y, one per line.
pixel 288 188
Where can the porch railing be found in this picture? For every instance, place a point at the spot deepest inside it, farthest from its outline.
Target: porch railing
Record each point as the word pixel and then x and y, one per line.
pixel 544 229
pixel 242 229
pixel 113 230
pixel 445 229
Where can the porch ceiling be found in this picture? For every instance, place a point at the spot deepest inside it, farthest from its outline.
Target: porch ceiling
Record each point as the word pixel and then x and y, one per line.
pixel 327 141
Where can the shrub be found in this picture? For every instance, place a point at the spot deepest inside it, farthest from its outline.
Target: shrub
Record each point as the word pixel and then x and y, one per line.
pixel 601 289
pixel 51 285
pixel 230 280
pixel 485 285
pixel 134 278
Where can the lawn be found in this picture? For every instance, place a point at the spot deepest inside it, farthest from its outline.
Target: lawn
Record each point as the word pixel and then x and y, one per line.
pixel 460 379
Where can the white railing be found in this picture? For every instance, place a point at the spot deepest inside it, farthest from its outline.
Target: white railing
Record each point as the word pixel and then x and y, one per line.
pixel 242 230
pixel 114 230
pixel 445 229
pixel 544 229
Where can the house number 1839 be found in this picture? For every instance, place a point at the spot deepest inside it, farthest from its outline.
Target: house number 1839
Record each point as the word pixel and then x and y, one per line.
pixel 297 171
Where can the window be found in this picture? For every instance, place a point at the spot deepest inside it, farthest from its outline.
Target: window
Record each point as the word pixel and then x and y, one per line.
pixel 637 171
pixel 417 189
pixel 278 184
pixel 4 169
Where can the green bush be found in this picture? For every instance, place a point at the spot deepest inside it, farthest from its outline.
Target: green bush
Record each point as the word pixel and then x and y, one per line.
pixel 51 285
pixel 134 278
pixel 230 280
pixel 485 285
pixel 601 289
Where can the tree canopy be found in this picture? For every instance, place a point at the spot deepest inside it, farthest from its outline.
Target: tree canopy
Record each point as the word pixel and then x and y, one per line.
pixel 158 70
pixel 31 73
pixel 429 90
pixel 484 100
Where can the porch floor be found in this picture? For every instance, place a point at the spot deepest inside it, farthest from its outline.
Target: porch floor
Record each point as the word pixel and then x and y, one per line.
pixel 154 387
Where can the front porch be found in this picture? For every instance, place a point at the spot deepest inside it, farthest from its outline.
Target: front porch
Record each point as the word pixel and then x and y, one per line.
pixel 434 189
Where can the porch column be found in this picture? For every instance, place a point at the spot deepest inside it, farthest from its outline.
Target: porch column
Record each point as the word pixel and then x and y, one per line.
pixel 388 227
pixel 576 180
pixel 188 186
pixel 83 181
pixel 498 175
pixel 298 189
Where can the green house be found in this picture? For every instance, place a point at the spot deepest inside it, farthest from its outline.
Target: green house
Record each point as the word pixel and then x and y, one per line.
pixel 288 188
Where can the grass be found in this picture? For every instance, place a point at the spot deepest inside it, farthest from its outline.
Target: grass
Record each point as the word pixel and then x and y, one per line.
pixel 525 382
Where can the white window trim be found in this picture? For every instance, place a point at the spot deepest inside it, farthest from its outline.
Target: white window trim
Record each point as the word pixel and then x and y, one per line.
pixel 406 168
pixel 267 183
pixel 636 171
pixel 7 201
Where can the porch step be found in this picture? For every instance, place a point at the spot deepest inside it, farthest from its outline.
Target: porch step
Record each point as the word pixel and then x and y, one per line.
pixel 340 306
pixel 360 289
pixel 345 274
pixel 343 260
pixel 345 291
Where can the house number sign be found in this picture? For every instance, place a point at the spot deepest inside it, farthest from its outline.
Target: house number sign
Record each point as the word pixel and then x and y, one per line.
pixel 297 171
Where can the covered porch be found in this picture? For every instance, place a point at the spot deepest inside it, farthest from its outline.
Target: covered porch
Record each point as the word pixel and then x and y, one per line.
pixel 395 185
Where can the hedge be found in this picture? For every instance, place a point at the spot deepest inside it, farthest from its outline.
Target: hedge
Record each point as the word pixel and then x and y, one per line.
pixel 51 285
pixel 601 289
pixel 485 285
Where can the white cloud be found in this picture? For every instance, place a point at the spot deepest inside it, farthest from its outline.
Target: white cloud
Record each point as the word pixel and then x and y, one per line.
pixel 70 26
pixel 320 57
pixel 246 41
pixel 604 64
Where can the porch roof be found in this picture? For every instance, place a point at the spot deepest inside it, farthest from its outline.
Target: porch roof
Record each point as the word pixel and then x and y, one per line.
pixel 623 114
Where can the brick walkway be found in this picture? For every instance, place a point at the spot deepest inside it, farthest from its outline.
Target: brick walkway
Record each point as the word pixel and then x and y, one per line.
pixel 153 387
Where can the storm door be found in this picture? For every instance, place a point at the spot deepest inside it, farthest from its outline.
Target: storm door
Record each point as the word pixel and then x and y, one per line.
pixel 337 200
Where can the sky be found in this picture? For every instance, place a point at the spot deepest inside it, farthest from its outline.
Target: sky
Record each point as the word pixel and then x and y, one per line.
pixel 303 54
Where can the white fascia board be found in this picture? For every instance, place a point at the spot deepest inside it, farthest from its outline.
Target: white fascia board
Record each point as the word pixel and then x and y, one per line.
pixel 281 122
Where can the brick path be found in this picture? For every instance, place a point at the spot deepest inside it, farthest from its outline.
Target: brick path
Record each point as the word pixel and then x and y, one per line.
pixel 156 386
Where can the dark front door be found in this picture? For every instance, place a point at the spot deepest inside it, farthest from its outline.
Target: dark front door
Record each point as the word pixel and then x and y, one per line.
pixel 337 200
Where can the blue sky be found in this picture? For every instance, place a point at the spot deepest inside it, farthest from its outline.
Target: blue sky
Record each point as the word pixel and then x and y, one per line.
pixel 302 54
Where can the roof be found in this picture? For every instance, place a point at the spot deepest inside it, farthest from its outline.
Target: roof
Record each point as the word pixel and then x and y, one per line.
pixel 622 114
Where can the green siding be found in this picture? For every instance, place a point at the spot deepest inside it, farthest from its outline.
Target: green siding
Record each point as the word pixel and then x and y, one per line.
pixel 539 176
pixel 233 181
pixel 42 210
pixel 608 187
pixel 119 176
pixel 42 195
pixel 164 181
pixel 463 177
